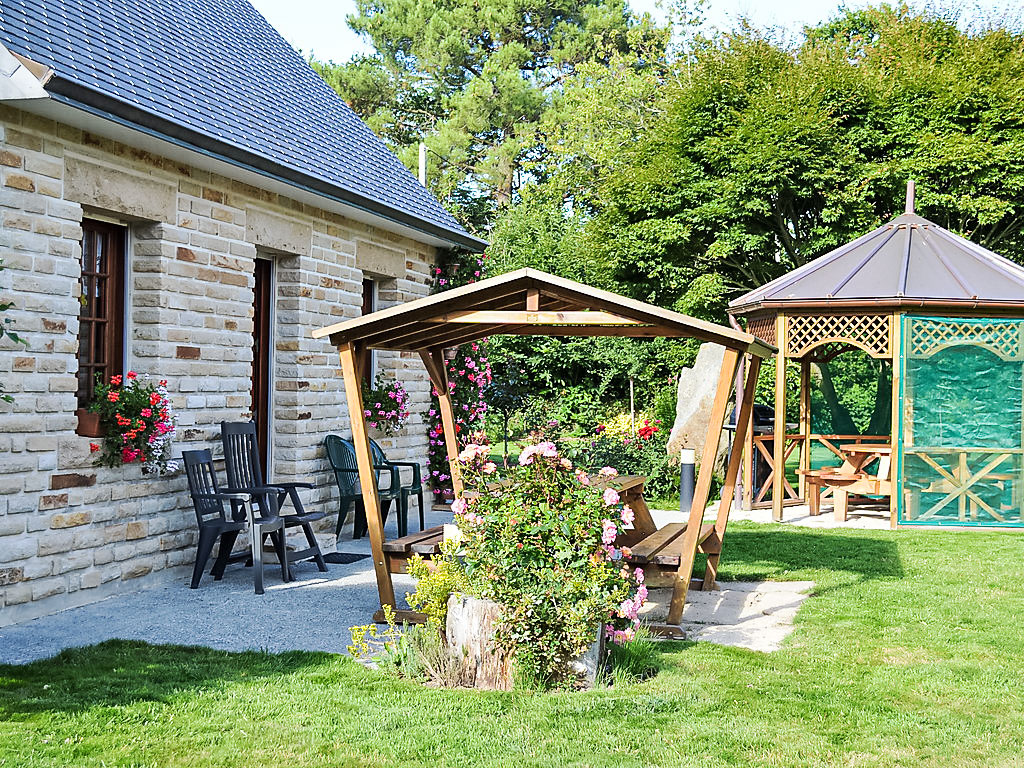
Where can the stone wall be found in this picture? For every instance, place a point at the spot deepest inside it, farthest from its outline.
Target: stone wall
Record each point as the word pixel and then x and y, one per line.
pixel 71 532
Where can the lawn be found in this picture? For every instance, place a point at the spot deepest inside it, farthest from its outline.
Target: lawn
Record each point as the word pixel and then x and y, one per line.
pixel 909 653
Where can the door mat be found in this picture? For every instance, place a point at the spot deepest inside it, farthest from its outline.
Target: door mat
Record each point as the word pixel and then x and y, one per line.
pixel 343 558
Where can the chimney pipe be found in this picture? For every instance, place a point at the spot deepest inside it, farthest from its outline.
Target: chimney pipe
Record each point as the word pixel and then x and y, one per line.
pixel 910 197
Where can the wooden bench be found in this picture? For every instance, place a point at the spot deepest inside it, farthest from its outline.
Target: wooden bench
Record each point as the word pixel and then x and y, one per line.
pixel 659 554
pixel 816 486
pixel 425 543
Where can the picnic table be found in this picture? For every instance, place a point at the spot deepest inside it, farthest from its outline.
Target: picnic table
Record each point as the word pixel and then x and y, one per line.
pixel 427 543
pixel 852 477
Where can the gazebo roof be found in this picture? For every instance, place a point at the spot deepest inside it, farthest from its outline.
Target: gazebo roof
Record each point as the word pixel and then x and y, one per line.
pixel 526 302
pixel 909 262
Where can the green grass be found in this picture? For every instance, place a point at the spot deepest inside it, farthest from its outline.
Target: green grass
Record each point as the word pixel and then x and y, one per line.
pixel 909 653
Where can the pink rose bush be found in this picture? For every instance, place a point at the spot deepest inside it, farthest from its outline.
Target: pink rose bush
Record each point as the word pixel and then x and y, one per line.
pixel 540 541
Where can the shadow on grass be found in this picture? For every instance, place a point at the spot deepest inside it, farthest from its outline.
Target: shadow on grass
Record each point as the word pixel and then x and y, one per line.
pixel 773 552
pixel 122 672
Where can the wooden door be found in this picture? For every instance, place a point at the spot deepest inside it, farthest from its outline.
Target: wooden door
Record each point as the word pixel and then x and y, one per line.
pixel 262 356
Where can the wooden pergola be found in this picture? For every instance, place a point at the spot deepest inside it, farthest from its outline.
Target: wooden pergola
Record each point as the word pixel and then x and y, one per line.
pixel 529 302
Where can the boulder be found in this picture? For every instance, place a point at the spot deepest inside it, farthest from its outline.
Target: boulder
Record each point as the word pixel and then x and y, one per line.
pixel 694 398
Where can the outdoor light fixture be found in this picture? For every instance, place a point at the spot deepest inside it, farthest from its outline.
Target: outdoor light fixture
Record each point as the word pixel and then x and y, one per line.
pixel 450 353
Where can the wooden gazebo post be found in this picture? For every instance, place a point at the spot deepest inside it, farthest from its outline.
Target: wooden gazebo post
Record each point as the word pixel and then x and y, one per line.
pixel 779 430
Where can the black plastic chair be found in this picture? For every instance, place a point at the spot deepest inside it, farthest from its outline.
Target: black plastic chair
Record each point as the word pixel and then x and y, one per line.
pixel 415 486
pixel 241 459
pixel 342 456
pixel 214 524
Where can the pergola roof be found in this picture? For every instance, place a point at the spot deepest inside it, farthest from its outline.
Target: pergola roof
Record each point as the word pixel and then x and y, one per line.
pixel 906 263
pixel 526 302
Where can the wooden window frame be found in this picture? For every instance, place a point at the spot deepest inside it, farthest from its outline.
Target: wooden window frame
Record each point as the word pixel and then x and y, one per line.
pixel 110 323
pixel 371 292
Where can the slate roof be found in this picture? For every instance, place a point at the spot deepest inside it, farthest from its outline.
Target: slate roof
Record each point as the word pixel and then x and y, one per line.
pixel 216 74
pixel 909 261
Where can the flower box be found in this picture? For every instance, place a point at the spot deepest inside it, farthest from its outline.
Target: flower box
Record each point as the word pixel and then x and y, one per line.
pixel 89 424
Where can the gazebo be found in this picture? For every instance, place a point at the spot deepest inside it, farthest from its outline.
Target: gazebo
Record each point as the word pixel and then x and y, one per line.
pixel 528 302
pixel 948 317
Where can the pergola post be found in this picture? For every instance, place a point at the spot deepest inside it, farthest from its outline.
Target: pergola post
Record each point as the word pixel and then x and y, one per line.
pixel 351 365
pixel 716 423
pixel 744 425
pixel 433 360
pixel 779 428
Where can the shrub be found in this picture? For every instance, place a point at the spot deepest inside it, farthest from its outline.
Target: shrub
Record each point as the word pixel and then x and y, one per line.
pixel 541 545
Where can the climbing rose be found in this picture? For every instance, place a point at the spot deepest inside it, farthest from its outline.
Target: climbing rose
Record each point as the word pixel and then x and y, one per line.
pixel 611 496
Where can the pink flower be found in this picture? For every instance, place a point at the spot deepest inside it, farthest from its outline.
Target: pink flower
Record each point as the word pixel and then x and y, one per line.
pixel 641 595
pixel 489 468
pixel 146 412
pixel 565 463
pixel 610 496
pixel 627 516
pixel 526 457
pixel 628 609
pixel 583 477
pixel 608 472
pixel 547 450
pixel 460 507
pixel 608 532
pixel 638 574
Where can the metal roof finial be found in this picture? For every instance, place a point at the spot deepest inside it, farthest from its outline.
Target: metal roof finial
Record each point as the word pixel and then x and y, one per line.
pixel 910 197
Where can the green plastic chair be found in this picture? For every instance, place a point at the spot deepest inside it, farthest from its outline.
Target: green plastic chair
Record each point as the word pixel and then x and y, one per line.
pixel 342 456
pixel 415 486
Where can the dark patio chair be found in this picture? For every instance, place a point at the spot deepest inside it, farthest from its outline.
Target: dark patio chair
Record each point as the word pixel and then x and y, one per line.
pixel 215 525
pixel 415 485
pixel 245 475
pixel 342 456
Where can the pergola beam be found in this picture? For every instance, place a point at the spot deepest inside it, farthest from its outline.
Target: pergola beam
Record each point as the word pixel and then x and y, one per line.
pixel 537 318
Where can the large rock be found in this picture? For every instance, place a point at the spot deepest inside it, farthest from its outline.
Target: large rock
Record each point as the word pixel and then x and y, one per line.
pixel 696 393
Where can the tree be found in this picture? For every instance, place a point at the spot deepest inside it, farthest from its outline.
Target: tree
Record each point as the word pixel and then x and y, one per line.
pixel 474 80
pixel 747 157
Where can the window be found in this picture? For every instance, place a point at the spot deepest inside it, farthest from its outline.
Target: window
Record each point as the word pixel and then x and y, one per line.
pixel 101 320
pixel 370 306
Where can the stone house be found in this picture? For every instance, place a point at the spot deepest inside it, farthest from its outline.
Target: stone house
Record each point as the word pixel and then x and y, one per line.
pixel 217 201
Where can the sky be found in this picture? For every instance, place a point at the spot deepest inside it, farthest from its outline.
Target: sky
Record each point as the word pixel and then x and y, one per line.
pixel 318 27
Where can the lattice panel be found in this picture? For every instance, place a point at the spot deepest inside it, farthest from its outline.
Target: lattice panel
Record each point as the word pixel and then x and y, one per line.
pixel 762 326
pixel 930 336
pixel 869 332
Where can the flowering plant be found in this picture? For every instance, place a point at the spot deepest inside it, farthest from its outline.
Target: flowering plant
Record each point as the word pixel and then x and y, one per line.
pixel 138 420
pixel 386 404
pixel 541 543
pixel 469 373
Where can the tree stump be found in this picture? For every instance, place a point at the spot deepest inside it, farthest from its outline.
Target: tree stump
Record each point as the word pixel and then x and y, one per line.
pixel 469 631
pixel 478 663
